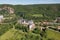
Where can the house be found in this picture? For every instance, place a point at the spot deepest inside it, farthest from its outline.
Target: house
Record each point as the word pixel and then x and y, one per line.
pixel 1 18
pixel 23 21
pixel 0 9
pixel 43 29
pixel 45 23
pixel 57 20
pixel 30 24
pixel 58 28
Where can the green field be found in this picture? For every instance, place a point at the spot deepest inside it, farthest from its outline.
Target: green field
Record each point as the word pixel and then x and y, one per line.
pixel 14 34
pixel 53 35
pixel 37 15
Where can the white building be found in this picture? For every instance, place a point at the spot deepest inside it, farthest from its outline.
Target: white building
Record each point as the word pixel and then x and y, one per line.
pixel 58 28
pixel 23 21
pixel 29 23
pixel 57 20
pixel 0 9
pixel 1 18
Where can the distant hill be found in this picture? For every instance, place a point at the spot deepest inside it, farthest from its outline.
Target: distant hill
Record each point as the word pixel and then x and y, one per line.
pixel 48 11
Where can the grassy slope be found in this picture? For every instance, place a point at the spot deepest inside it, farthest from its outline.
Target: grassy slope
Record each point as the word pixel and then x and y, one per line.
pixel 7 35
pixel 14 34
pixel 53 35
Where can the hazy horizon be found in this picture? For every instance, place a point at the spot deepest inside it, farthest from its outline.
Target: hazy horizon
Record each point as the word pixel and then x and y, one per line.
pixel 26 2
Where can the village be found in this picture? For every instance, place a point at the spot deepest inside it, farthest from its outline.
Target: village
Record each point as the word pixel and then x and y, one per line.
pixel 30 23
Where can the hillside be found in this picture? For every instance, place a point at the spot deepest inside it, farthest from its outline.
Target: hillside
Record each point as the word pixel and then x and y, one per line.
pixel 29 22
pixel 45 11
pixel 48 12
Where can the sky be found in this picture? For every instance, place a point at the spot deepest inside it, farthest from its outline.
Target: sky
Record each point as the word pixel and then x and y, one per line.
pixel 24 2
